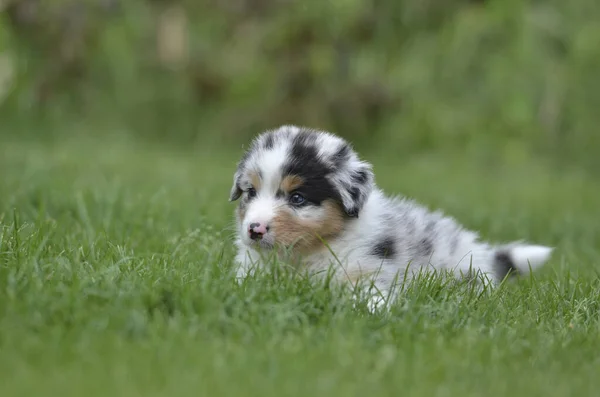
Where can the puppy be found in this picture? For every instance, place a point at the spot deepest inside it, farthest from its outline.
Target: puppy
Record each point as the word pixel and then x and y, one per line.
pixel 305 196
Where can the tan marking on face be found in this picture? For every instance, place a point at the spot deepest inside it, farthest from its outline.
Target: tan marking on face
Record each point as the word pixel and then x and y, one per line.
pixel 306 235
pixel 254 179
pixel 291 183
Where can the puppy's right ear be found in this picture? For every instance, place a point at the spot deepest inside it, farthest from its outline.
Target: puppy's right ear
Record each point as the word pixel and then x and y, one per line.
pixel 236 192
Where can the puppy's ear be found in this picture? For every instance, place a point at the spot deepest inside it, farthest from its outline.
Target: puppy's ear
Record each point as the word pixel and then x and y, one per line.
pixel 236 192
pixel 353 180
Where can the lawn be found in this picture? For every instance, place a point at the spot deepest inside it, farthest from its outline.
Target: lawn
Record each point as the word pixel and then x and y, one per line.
pixel 114 281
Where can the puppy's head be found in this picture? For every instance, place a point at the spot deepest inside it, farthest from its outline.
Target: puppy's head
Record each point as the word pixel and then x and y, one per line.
pixel 296 187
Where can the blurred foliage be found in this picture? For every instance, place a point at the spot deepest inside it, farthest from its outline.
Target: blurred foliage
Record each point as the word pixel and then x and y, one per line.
pixel 508 77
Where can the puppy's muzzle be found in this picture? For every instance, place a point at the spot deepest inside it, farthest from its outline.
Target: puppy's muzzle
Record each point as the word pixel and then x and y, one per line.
pixel 257 230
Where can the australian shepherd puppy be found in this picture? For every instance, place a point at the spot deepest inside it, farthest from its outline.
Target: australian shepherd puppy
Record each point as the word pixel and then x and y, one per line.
pixel 305 196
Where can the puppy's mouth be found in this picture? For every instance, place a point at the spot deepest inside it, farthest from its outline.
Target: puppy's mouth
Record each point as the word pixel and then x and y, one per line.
pixel 264 243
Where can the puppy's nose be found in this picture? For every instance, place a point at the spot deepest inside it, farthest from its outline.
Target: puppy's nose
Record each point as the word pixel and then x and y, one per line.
pixel 257 230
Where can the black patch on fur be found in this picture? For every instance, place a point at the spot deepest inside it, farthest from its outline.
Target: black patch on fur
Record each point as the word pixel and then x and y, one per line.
pixel 504 265
pixel 279 194
pixel 269 141
pixel 305 163
pixel 352 212
pixel 306 137
pixel 385 249
pixel 354 193
pixel 341 156
pixel 360 178
pixel 425 247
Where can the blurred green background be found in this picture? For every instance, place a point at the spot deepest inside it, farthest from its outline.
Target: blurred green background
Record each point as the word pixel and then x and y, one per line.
pixel 489 81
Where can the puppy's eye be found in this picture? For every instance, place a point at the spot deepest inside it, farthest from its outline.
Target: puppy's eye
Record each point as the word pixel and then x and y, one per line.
pixel 297 199
pixel 251 192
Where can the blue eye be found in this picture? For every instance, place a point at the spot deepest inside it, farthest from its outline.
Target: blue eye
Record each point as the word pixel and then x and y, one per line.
pixel 251 192
pixel 297 199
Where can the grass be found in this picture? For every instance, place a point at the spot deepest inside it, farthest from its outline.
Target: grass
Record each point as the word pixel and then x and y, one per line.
pixel 113 281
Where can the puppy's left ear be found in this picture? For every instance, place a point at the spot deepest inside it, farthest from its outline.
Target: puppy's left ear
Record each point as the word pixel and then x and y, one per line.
pixel 354 182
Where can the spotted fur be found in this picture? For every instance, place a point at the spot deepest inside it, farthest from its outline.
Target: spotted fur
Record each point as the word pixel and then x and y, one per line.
pixel 345 221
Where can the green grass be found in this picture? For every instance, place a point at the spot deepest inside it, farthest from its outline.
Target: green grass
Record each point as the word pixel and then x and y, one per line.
pixel 114 282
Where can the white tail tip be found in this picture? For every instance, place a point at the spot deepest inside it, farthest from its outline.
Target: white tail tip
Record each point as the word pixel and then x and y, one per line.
pixel 526 256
